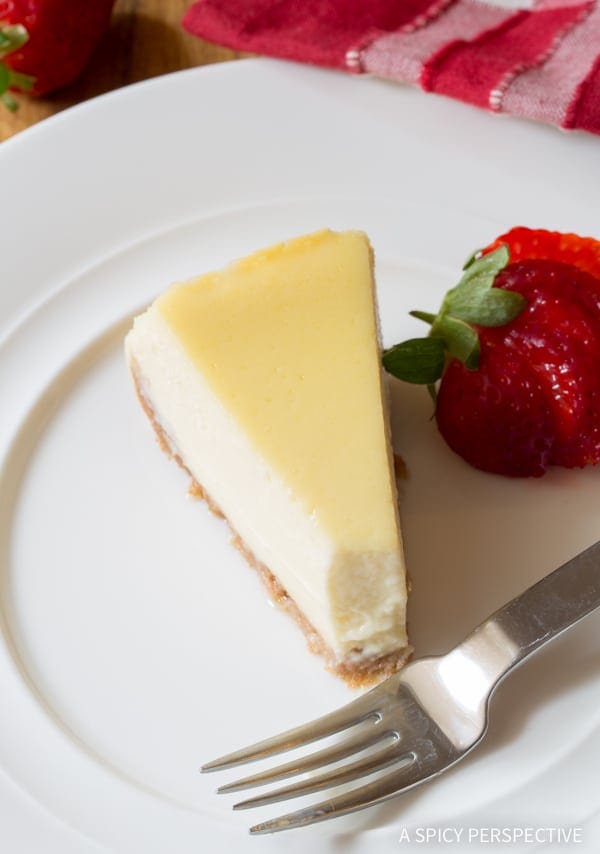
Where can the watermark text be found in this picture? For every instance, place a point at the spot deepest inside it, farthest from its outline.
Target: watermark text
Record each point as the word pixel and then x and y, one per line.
pixel 491 835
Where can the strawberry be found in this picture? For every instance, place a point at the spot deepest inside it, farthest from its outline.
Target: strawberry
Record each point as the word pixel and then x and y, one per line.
pixel 45 44
pixel 582 252
pixel 517 347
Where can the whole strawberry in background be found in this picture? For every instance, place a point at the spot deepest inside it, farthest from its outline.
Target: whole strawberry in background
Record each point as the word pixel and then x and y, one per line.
pixel 45 44
pixel 517 347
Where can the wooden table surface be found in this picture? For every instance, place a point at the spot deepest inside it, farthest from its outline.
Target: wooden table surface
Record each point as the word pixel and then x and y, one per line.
pixel 145 39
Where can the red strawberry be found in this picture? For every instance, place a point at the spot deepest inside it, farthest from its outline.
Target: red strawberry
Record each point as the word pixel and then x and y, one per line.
pixel 535 399
pixel 496 418
pixel 523 389
pixel 62 35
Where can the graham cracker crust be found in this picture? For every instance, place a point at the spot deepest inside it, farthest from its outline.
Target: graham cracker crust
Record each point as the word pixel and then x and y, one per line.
pixel 356 675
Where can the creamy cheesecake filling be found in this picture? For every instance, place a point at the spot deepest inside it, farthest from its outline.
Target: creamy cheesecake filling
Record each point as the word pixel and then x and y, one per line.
pixel 353 596
pixel 266 380
pixel 367 602
pixel 288 341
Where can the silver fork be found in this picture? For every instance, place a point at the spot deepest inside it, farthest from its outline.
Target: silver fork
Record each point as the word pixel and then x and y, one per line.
pixel 427 717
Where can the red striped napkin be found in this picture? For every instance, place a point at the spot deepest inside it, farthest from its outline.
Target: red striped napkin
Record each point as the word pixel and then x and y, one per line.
pixel 542 62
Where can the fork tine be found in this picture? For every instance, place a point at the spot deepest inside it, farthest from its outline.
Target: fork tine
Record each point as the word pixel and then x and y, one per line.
pixel 351 771
pixel 365 796
pixel 353 713
pixel 314 760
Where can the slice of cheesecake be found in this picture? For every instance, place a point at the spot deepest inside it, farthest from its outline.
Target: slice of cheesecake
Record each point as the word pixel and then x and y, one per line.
pixel 264 381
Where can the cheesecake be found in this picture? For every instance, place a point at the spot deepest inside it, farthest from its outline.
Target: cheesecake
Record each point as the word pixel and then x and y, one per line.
pixel 264 382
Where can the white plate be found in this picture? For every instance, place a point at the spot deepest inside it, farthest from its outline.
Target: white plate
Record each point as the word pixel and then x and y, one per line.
pixel 136 644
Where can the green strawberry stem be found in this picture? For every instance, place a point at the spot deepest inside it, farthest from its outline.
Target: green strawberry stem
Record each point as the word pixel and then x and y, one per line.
pixel 12 38
pixel 473 302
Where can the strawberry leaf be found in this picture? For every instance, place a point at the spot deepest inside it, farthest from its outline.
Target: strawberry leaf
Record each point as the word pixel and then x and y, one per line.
pixel 11 39
pixel 4 78
pixel 472 258
pixel 418 360
pixel 495 308
pixel 9 101
pixel 474 300
pixel 476 282
pixel 23 82
pixel 461 340
pixel 423 315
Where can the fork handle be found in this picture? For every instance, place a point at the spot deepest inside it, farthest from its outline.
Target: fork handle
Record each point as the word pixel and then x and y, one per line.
pixel 542 612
